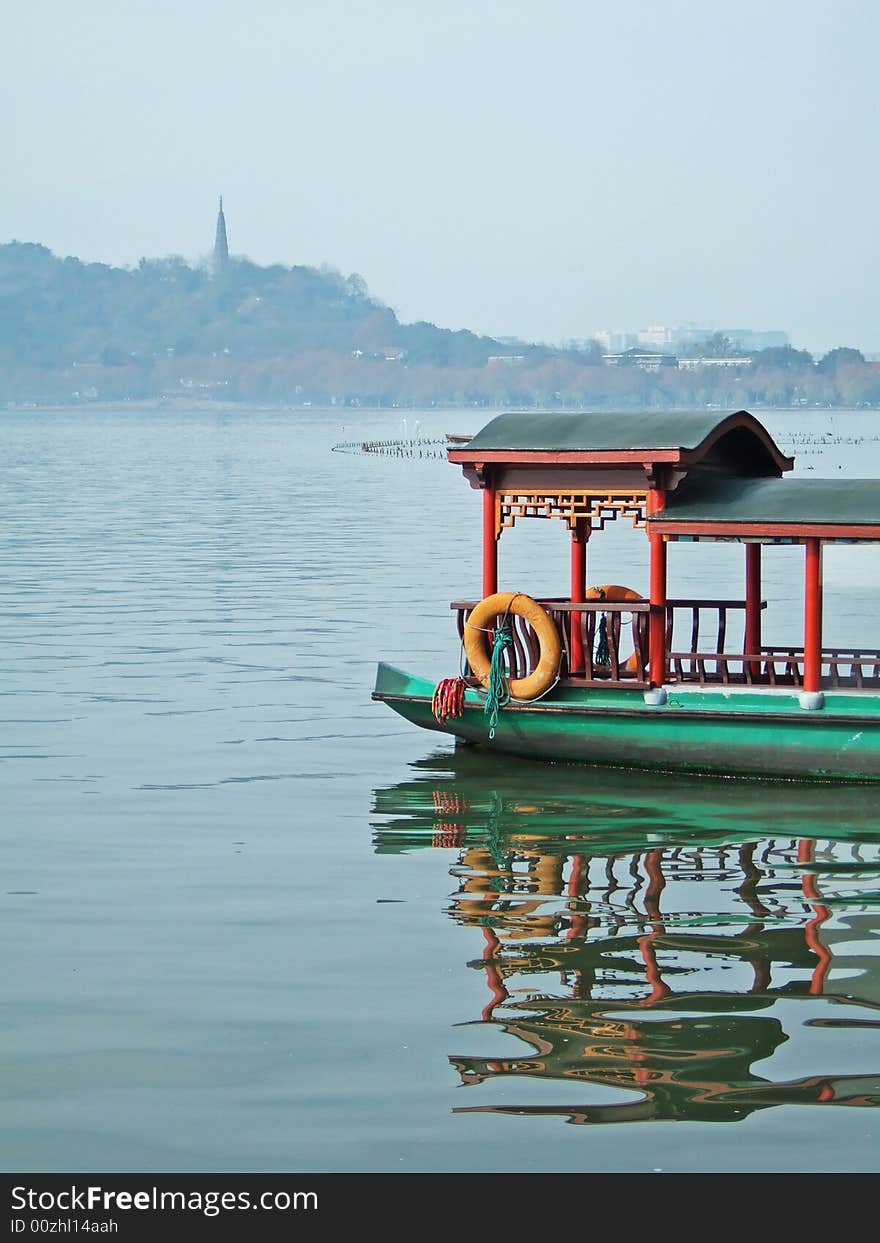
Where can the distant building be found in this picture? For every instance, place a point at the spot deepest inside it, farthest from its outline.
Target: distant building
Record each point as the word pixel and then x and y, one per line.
pixel 221 246
pixel 506 360
pixel 698 364
pixel 655 336
pixel 749 340
pixel 611 342
pixel 686 338
pixel 645 360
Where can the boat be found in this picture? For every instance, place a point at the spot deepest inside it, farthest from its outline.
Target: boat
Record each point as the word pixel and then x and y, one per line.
pixel 552 678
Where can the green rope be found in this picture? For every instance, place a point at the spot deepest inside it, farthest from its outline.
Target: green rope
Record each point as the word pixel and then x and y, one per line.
pixel 603 656
pixel 497 842
pixel 498 691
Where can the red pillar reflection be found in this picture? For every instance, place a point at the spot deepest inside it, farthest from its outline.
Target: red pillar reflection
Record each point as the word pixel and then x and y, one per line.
pixel 493 974
pixel 577 881
pixel 811 930
pixel 647 948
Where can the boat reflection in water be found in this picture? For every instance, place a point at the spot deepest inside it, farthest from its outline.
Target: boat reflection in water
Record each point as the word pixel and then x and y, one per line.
pixel 658 936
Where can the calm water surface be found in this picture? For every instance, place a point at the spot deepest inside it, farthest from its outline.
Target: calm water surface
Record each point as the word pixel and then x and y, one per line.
pixel 253 921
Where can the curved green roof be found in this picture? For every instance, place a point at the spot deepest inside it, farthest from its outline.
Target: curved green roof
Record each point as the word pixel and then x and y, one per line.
pixel 598 432
pixel 819 502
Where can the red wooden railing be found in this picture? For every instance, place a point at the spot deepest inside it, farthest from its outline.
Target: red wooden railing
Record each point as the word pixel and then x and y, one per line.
pixel 523 657
pixel 705 661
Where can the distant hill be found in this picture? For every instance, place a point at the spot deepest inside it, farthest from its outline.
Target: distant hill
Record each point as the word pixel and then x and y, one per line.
pixel 73 332
pixel 57 312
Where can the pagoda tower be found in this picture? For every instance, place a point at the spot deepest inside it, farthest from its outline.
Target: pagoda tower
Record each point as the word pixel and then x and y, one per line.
pixel 221 246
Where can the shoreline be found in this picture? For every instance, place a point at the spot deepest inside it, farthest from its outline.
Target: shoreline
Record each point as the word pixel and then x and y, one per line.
pixel 184 405
pixel 188 406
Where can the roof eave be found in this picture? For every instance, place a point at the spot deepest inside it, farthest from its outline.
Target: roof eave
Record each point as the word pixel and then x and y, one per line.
pixel 740 418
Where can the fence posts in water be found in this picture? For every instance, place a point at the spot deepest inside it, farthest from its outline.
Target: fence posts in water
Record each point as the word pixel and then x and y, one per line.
pixel 417 447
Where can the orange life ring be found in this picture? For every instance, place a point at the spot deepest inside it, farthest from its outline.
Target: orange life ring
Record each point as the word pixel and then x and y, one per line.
pixel 610 591
pixel 615 593
pixel 483 616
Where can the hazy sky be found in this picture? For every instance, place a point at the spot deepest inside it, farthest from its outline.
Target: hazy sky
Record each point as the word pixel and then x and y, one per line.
pixel 542 169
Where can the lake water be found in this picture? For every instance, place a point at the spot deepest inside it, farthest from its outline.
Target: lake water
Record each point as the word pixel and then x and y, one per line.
pixel 253 921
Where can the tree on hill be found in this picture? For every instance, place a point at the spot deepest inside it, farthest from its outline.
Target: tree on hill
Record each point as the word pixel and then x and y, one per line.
pixel 782 358
pixel 59 311
pixel 843 356
pixel 716 346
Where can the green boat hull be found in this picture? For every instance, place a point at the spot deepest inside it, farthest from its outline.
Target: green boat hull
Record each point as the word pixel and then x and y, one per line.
pixel 762 733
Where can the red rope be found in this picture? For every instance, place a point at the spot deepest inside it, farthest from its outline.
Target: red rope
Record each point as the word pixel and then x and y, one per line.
pixel 448 701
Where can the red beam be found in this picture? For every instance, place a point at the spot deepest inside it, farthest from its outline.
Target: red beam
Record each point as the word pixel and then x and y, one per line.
pixel 813 616
pixel 490 544
pixel 600 457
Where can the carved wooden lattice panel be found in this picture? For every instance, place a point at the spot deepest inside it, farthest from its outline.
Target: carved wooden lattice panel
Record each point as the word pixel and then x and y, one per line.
pixel 597 507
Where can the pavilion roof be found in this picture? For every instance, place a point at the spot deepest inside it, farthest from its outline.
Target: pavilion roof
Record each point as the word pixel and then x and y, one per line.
pixel 741 442
pixel 789 503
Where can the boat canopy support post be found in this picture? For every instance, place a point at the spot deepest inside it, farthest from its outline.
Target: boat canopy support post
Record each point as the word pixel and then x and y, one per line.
pixel 580 533
pixel 657 616
pixel 490 543
pixel 753 604
pixel 813 617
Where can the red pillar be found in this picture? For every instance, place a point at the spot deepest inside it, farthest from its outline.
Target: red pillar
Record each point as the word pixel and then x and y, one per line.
pixel 753 604
pixel 657 617
pixel 813 616
pixel 490 544
pixel 579 536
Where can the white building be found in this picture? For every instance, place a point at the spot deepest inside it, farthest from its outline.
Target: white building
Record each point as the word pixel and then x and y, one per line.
pixel 683 338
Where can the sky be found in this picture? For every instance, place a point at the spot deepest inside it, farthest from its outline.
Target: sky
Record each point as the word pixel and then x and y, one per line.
pixel 542 170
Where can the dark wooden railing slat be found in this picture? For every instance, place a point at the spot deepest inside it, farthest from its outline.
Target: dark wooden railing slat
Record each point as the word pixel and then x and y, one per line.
pixel 533 645
pixel 721 666
pixel 613 634
pixel 518 661
pixel 640 633
pixel 588 634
